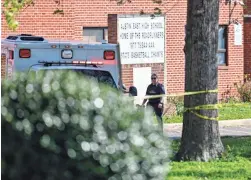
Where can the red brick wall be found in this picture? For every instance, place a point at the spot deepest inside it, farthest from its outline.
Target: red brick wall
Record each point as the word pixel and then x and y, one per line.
pixel 247 39
pixel 78 14
pixel 247 9
pixel 247 45
pixel 39 20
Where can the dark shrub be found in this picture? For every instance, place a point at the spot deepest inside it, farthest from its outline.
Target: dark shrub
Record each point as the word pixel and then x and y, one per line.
pixel 61 126
pixel 244 88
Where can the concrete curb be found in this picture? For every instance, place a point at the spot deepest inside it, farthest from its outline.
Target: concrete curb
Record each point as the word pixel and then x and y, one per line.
pixel 240 122
pixel 232 128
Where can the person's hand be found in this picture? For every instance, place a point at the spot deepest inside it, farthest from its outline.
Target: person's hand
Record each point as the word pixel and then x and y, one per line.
pixel 160 105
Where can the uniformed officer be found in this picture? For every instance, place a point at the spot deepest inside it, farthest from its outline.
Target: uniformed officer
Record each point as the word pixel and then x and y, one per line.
pixel 156 88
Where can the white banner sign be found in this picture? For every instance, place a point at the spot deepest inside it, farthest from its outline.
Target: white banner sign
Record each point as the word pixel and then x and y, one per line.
pixel 237 34
pixel 141 39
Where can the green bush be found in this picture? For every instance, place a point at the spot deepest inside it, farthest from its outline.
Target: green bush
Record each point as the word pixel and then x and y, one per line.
pixel 244 88
pixel 179 103
pixel 60 126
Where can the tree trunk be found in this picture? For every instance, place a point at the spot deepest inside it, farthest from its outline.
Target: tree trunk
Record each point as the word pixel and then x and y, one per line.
pixel 200 137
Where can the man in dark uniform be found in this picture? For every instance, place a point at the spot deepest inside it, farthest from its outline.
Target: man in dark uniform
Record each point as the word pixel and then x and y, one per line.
pixel 155 88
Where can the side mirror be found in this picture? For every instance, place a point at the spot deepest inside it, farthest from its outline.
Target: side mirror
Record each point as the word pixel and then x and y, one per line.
pixel 133 91
pixel 123 87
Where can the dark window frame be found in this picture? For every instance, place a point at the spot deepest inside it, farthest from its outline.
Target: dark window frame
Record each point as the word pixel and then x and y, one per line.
pixel 11 54
pixel 103 28
pixel 226 45
pixel 88 73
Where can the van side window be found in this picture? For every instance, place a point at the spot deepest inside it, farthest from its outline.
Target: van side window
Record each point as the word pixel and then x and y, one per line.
pixel 11 54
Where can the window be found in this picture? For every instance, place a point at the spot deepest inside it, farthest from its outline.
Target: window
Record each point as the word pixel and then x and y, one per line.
pixel 222 45
pixel 95 34
pixel 11 54
pixel 103 77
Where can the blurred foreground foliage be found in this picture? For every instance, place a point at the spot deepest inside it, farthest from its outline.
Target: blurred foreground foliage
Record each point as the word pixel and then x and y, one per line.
pixel 61 125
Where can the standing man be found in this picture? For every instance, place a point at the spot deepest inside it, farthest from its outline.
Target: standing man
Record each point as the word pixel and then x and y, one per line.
pixel 155 88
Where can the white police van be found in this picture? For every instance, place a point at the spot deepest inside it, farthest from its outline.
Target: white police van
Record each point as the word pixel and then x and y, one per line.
pixel 26 52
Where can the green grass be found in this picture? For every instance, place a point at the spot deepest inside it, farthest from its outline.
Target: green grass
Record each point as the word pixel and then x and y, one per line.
pixel 241 112
pixel 234 165
pixel 225 113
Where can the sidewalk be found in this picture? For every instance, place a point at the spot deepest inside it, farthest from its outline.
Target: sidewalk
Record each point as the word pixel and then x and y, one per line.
pixel 240 127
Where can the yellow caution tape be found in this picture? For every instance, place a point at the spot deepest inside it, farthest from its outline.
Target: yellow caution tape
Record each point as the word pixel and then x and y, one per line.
pixel 215 106
pixel 212 107
pixel 176 94
pixel 196 108
pixel 204 117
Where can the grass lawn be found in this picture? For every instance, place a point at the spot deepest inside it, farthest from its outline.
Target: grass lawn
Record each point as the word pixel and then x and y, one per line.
pixel 225 113
pixel 234 165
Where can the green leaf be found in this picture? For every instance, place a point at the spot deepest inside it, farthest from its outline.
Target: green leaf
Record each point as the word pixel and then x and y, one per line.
pixel 157 11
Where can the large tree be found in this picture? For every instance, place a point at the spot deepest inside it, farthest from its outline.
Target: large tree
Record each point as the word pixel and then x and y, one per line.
pixel 200 137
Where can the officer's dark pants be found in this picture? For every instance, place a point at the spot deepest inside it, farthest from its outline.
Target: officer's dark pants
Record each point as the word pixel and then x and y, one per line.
pixel 158 113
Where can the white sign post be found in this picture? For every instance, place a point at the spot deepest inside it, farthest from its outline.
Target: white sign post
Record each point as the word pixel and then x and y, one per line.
pixel 141 83
pixel 141 39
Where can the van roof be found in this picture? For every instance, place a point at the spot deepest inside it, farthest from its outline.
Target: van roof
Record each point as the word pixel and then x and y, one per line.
pixel 27 38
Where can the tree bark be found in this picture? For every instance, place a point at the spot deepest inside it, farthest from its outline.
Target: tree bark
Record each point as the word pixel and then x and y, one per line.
pixel 200 137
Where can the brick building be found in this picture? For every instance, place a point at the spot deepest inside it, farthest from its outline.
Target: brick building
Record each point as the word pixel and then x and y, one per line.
pixel 247 38
pixel 89 20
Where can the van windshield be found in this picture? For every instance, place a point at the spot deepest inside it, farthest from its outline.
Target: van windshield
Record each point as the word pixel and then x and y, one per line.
pixel 101 76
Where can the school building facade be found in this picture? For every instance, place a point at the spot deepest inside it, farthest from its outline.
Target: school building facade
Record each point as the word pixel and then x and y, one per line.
pixel 247 38
pixel 88 20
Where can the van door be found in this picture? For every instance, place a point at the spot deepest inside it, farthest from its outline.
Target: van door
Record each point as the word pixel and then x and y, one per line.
pixel 7 60
pixel 10 63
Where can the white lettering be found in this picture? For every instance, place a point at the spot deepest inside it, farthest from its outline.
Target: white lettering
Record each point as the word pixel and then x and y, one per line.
pixel 142 39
